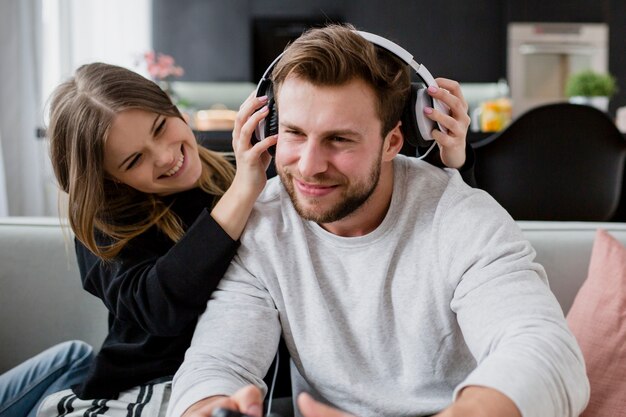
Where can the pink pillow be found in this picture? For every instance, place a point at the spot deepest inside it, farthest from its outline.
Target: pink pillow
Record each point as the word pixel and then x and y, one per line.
pixel 598 320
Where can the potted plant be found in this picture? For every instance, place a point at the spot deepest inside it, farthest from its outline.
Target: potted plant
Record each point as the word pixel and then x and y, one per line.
pixel 591 88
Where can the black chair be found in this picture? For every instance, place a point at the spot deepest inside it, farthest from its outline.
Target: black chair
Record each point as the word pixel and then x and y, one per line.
pixel 555 162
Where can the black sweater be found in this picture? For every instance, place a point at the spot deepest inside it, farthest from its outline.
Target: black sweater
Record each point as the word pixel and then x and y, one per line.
pixel 154 291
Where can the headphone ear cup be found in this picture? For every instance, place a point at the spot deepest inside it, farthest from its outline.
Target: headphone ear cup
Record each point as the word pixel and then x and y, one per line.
pixel 424 124
pixel 409 127
pixel 417 127
pixel 271 122
pixel 269 125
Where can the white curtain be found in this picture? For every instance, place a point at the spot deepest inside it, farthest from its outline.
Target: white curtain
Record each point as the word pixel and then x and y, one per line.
pixel 58 36
pixel 20 102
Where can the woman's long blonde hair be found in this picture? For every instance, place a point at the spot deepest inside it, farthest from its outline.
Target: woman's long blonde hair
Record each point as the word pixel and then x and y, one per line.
pixel 81 113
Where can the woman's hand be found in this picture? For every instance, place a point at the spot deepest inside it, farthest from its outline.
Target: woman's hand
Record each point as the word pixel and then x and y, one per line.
pixel 252 160
pixel 452 143
pixel 233 209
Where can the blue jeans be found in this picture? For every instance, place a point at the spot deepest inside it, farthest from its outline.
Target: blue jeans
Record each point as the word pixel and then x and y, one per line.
pixel 23 387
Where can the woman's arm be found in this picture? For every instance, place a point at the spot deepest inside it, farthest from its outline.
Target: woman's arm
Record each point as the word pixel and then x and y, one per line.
pixel 161 286
pixel 233 209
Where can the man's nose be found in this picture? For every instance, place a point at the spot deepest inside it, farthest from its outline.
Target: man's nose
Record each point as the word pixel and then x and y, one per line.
pixel 312 160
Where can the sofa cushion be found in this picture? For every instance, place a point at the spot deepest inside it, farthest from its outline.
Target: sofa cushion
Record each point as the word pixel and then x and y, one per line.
pixel 598 320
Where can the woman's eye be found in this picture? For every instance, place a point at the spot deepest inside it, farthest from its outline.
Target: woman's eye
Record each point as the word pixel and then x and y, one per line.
pixel 133 162
pixel 160 127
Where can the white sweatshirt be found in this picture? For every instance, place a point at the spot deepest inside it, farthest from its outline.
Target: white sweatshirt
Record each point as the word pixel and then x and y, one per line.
pixel 442 295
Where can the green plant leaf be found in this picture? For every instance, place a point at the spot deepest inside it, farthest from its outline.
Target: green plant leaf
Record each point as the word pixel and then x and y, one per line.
pixel 590 84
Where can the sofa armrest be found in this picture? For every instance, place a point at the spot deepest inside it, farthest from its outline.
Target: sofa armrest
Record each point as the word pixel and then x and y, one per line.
pixel 42 301
pixel 564 249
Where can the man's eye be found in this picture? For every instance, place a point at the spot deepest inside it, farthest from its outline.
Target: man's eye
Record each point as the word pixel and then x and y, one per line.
pixel 133 162
pixel 338 139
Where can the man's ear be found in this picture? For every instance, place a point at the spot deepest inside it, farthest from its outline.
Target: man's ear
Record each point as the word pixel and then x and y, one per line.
pixel 393 142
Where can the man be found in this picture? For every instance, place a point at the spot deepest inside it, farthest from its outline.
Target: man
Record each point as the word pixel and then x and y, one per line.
pixel 399 290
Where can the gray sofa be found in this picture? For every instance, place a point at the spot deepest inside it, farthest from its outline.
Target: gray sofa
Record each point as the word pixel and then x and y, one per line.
pixel 42 301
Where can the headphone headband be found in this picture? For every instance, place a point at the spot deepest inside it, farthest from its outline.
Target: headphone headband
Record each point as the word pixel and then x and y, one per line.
pixel 401 53
pixel 422 126
pixel 385 43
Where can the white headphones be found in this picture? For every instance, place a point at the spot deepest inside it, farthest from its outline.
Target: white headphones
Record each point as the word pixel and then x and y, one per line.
pixel 416 127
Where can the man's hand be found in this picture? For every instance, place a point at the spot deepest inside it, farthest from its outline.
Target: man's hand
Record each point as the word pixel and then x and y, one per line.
pixel 311 408
pixel 481 401
pixel 247 400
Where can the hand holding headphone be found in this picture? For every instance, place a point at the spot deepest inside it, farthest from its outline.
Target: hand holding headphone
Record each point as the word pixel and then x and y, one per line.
pixel 416 127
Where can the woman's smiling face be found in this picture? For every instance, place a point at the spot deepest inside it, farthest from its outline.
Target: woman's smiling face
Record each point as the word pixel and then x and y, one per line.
pixel 152 153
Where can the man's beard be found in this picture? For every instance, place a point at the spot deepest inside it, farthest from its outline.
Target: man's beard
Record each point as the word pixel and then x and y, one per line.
pixel 351 199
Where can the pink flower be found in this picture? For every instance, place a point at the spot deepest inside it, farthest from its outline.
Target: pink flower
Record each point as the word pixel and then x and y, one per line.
pixel 161 66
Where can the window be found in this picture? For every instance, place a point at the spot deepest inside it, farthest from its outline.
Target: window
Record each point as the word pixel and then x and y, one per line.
pixel 77 32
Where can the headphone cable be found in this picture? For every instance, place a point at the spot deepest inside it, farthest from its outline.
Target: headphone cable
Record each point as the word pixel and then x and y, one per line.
pixel 428 151
pixel 269 402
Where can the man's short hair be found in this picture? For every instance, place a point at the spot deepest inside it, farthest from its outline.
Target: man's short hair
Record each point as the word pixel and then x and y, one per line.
pixel 334 55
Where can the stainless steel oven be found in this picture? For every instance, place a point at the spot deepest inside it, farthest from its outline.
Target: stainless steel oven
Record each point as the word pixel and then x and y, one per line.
pixel 541 56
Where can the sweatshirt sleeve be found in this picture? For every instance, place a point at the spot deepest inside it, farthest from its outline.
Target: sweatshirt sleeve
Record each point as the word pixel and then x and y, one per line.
pixel 234 342
pixel 161 290
pixel 510 320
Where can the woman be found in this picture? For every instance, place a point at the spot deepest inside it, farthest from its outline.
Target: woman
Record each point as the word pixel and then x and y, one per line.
pixel 156 218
